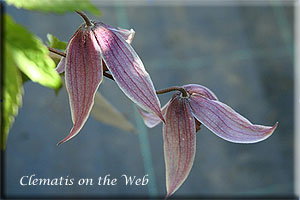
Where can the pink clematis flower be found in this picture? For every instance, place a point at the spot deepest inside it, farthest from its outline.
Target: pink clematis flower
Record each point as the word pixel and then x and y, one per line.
pixel 183 114
pixel 92 43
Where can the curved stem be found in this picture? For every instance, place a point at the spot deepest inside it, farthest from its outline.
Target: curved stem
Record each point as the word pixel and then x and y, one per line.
pixel 85 18
pixel 107 75
pixel 58 52
pixel 175 88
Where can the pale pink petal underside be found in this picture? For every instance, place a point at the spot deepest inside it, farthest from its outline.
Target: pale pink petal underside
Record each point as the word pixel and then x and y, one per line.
pixel 200 89
pixel 150 119
pixel 83 74
pixel 128 35
pixel 226 123
pixel 61 65
pixel 179 133
pixel 127 70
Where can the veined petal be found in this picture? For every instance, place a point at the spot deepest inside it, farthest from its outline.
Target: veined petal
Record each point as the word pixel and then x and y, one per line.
pixel 127 69
pixel 226 123
pixel 61 65
pixel 150 119
pixel 128 35
pixel 200 89
pixel 179 133
pixel 83 76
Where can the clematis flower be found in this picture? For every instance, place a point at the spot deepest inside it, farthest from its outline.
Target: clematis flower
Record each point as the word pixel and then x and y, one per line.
pixel 196 105
pixel 92 43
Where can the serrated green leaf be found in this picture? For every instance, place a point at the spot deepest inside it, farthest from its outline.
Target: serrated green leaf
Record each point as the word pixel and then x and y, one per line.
pixel 55 43
pixel 30 55
pixel 104 112
pixel 13 91
pixel 55 6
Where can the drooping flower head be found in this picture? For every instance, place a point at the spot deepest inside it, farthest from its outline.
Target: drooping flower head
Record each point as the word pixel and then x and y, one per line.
pixel 198 105
pixel 92 43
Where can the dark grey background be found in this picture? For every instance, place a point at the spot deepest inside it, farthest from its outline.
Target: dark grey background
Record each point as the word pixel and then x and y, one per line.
pixel 244 54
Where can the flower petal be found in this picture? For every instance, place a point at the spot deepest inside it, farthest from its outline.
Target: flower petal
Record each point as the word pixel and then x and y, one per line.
pixel 150 119
pixel 127 69
pixel 179 134
pixel 61 65
pixel 128 35
pixel 226 123
pixel 199 89
pixel 83 76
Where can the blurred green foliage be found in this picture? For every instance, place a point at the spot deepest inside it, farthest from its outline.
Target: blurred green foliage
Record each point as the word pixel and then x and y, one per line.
pixel 55 6
pixel 54 42
pixel 12 94
pixel 30 55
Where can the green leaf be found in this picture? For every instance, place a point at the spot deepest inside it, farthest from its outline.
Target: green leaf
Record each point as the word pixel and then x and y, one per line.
pixel 55 6
pixel 104 112
pixel 30 55
pixel 54 42
pixel 12 95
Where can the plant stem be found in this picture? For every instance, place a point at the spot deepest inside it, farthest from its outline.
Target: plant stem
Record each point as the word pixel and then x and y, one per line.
pixel 58 52
pixel 85 18
pixel 107 75
pixel 175 88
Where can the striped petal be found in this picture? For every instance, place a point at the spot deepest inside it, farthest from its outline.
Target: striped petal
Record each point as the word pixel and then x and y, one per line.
pixel 127 69
pixel 179 133
pixel 128 35
pixel 199 89
pixel 226 123
pixel 150 119
pixel 83 74
pixel 62 63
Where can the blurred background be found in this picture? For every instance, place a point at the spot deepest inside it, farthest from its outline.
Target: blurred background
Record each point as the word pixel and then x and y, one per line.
pixel 243 53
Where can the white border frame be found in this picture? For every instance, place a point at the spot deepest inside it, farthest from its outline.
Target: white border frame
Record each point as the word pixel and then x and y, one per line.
pixel 297 96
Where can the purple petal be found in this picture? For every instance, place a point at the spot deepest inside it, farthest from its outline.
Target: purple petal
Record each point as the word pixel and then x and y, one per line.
pixel 199 89
pixel 226 123
pixel 179 134
pixel 127 70
pixel 83 76
pixel 61 65
pixel 150 119
pixel 128 35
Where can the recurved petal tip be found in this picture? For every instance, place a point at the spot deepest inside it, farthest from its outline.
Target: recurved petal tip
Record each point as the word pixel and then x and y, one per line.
pixel 227 123
pixel 74 131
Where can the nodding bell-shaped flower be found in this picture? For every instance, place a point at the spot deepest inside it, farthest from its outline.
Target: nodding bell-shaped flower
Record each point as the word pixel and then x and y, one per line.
pixel 183 114
pixel 92 43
